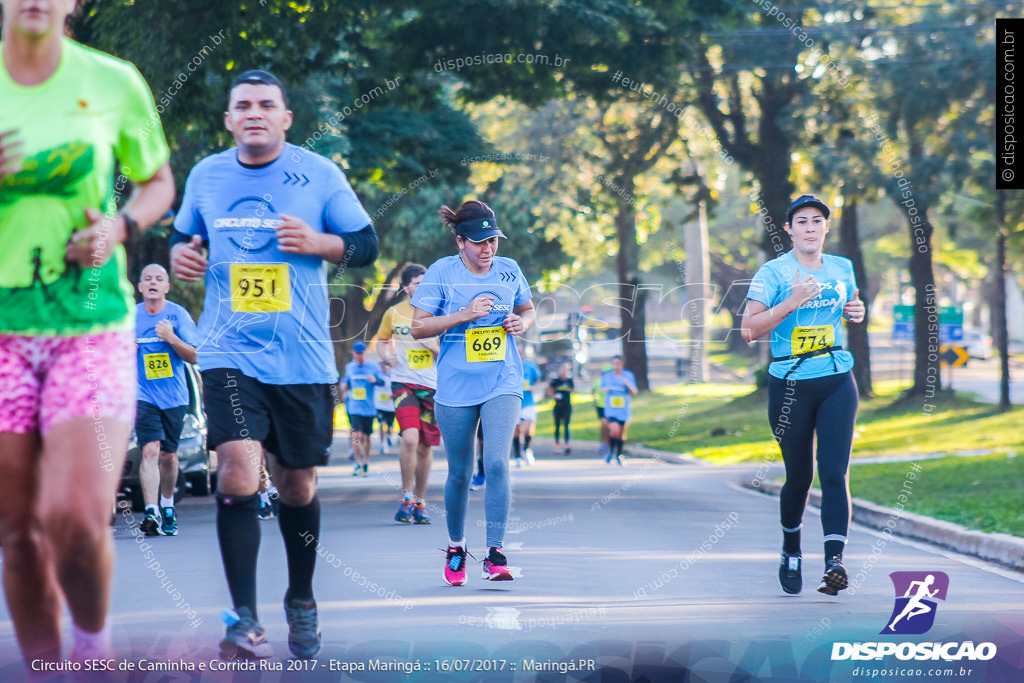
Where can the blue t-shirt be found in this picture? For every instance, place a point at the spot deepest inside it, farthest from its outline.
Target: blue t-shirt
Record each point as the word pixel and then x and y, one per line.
pixel 382 399
pixel 161 369
pixel 465 376
pixel 618 403
pixel 359 388
pixel 531 375
pixel 816 324
pixel 266 312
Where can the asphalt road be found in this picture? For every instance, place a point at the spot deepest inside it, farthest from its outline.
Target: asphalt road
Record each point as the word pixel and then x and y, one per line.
pixel 648 570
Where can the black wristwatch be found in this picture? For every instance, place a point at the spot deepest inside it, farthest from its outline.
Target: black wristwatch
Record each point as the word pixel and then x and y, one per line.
pixel 132 232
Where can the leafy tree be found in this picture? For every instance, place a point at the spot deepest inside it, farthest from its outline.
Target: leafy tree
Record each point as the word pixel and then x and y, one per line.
pixel 930 115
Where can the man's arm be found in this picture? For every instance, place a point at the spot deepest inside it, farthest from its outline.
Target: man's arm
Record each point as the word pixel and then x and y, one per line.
pixel 354 249
pixel 185 351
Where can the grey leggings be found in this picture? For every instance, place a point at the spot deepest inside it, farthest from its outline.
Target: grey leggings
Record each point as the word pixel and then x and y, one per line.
pixel 458 429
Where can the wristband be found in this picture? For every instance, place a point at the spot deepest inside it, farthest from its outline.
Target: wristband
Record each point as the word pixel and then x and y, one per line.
pixel 132 232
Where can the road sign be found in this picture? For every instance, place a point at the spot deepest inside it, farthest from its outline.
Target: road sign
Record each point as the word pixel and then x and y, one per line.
pixel 903 323
pixel 903 331
pixel 950 323
pixel 953 356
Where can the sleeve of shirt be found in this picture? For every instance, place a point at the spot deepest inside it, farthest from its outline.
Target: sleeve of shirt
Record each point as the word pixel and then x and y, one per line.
pixel 386 325
pixel 346 381
pixel 188 220
pixel 343 212
pixel 141 149
pixel 523 293
pixel 429 296
pixel 762 287
pixel 187 328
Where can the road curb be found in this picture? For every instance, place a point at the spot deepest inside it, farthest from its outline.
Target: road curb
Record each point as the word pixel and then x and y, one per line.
pixel 1002 549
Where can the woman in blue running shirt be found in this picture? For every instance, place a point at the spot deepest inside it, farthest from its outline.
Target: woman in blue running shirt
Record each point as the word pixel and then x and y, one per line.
pixel 800 300
pixel 474 301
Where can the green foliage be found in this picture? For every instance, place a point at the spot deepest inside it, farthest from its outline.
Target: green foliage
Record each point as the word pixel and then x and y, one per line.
pixel 980 493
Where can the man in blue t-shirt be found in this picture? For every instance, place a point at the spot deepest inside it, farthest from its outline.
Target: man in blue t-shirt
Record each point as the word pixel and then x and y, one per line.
pixel 528 413
pixel 166 340
pixel 273 216
pixel 361 378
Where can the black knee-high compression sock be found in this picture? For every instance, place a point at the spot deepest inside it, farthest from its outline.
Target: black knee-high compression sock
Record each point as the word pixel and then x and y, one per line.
pixel 300 528
pixel 791 542
pixel 238 531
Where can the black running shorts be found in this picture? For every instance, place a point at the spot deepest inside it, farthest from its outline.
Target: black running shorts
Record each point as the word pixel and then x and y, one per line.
pixel 295 422
pixel 157 424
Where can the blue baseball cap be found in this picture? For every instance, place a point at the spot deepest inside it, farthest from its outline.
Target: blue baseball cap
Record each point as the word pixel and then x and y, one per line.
pixel 359 346
pixel 479 229
pixel 805 200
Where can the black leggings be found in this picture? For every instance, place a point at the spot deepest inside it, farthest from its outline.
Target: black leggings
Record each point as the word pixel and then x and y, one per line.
pixel 562 413
pixel 799 410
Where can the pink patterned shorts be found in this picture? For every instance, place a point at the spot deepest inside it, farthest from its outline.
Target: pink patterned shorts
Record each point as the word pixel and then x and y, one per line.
pixel 47 380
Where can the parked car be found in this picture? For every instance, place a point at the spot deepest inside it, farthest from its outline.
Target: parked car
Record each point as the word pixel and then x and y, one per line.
pixel 197 466
pixel 978 344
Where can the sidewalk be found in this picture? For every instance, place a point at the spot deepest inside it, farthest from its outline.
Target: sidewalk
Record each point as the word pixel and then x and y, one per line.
pixel 999 548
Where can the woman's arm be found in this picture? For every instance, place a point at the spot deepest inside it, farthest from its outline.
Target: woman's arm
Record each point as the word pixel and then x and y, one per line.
pixel 521 319
pixel 759 320
pixel 426 324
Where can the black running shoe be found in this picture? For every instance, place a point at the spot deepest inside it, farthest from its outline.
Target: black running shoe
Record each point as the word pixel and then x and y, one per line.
pixel 303 627
pixel 834 579
pixel 244 638
pixel 789 573
pixel 150 525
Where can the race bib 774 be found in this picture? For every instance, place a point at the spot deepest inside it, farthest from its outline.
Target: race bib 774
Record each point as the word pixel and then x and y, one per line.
pixel 811 338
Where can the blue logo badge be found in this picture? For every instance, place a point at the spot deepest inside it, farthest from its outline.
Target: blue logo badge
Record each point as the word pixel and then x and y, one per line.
pixel 914 611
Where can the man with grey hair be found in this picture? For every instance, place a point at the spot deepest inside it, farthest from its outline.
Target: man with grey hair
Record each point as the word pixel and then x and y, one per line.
pixel 166 340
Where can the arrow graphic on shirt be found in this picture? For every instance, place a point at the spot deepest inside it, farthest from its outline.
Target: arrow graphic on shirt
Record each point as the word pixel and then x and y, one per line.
pixel 293 178
pixel 507 276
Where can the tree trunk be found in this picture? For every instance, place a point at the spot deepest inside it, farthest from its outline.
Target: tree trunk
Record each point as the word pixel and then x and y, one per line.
pixel 733 283
pixel 999 307
pixel 857 334
pixel 926 311
pixel 349 320
pixel 772 174
pixel 698 304
pixel 632 297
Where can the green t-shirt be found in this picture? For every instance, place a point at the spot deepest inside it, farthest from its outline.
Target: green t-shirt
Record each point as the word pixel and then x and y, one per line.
pixel 93 109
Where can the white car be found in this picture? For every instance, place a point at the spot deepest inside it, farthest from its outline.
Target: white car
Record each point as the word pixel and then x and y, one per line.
pixel 978 345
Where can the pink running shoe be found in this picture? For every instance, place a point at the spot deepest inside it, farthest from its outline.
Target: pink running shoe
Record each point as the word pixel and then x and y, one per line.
pixel 455 566
pixel 496 566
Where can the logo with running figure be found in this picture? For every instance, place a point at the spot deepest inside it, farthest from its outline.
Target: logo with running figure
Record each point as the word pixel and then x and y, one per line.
pixel 916 592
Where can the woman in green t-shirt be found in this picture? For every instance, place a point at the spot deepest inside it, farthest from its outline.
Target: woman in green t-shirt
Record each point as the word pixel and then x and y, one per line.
pixel 67 343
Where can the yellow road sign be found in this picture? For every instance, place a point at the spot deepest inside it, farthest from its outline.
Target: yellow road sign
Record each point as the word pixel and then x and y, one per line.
pixel 953 356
